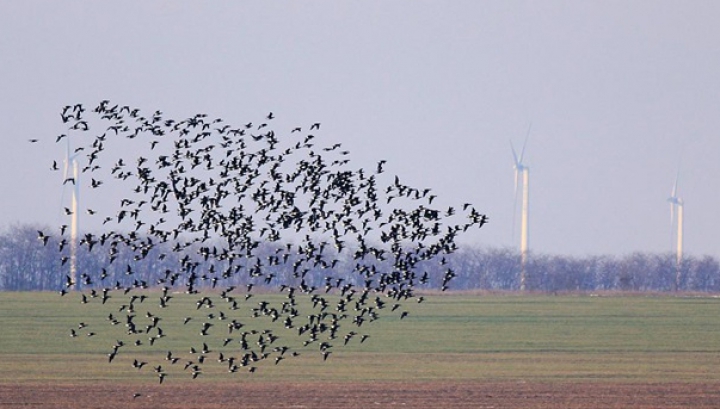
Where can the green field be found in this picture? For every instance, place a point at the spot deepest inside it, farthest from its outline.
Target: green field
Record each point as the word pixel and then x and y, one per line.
pixel 450 337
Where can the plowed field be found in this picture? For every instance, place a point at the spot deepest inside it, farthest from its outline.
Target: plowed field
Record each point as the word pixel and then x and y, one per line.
pixel 364 395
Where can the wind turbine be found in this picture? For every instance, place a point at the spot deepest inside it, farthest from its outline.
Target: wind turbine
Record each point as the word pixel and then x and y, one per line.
pixel 71 175
pixel 522 175
pixel 676 221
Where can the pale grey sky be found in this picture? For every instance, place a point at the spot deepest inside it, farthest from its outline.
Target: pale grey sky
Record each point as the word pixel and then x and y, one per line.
pixel 619 94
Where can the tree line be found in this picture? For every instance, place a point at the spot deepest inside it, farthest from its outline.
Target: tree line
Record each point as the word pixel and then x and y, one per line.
pixel 29 264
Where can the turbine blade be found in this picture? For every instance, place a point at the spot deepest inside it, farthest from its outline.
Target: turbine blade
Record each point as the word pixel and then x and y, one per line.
pixel 674 203
pixel 672 215
pixel 527 135
pixel 65 175
pixel 515 157
pixel 66 161
pixel 515 205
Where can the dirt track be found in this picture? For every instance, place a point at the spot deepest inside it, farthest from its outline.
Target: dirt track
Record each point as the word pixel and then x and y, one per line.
pixel 367 395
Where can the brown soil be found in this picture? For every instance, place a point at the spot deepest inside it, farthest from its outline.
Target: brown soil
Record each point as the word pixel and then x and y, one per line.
pixel 363 395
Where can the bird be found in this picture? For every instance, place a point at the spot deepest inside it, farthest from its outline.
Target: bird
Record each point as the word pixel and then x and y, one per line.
pixel 196 372
pixel 80 125
pixel 380 166
pixel 43 238
pixel 223 208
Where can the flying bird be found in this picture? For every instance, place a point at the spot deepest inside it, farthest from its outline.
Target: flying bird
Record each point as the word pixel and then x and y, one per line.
pixel 215 207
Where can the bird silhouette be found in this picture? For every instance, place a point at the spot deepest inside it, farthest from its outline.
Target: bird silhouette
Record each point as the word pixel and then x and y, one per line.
pixel 227 214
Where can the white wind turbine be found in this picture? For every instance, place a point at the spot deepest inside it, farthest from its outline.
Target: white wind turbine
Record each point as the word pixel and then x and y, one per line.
pixel 71 175
pixel 522 174
pixel 676 221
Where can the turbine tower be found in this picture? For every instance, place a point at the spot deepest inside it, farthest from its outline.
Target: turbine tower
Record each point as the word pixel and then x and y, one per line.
pixel 676 222
pixel 522 175
pixel 71 175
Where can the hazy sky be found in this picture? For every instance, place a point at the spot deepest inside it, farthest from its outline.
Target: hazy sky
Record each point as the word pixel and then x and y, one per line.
pixel 619 93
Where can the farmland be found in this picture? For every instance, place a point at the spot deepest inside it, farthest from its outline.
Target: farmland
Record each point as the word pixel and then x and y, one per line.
pixel 452 350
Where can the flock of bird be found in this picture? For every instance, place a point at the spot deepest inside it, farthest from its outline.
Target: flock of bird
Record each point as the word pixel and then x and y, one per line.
pixel 217 196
